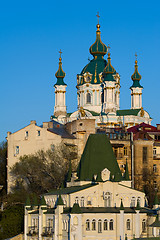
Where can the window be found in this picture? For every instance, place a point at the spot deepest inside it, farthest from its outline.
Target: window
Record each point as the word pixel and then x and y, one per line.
pixel 76 200
pixel 128 224
pixel 93 224
pixel 49 222
pixel 88 98
pixel 155 168
pixel 125 151
pixel 52 147
pixel 155 185
pixel 133 201
pixel 17 150
pixel 139 201
pixel 38 133
pixel 105 225
pixel 26 134
pixel 87 225
pixel 144 154
pixel 82 201
pixel 154 151
pixel 107 199
pixel 143 225
pixel 111 224
pixel 64 225
pixel 99 226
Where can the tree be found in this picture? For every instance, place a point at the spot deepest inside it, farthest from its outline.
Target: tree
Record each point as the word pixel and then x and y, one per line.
pixel 3 163
pixel 42 171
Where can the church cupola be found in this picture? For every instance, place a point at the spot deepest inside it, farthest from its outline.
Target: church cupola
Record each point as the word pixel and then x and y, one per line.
pixel 60 90
pixel 109 71
pixel 98 47
pixel 136 88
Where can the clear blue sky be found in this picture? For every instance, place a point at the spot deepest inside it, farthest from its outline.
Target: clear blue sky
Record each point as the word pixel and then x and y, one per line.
pixel 32 33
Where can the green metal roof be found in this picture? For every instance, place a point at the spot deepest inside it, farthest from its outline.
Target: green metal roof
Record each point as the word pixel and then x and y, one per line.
pixel 126 173
pixel 136 77
pixel 76 208
pixel 95 67
pixel 156 223
pixel 109 71
pixel 98 47
pixel 60 201
pixel 98 155
pixel 125 112
pixel 69 190
pixel 60 74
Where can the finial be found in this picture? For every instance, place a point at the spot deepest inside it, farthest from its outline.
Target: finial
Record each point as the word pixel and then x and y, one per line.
pixel 108 48
pixel 98 25
pixel 98 17
pixel 136 58
pixel 60 52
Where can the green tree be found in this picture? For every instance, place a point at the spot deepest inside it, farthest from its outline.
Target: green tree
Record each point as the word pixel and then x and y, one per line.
pixel 43 171
pixel 3 163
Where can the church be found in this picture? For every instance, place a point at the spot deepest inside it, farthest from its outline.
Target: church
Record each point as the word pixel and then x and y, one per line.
pixel 97 202
pixel 98 92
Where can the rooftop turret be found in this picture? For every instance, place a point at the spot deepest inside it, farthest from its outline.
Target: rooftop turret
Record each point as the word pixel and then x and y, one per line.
pixel 136 77
pixel 60 74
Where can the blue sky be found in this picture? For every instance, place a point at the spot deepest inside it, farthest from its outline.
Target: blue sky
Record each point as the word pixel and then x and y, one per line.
pixel 32 33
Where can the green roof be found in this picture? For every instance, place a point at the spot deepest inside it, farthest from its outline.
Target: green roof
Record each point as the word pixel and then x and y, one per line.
pixel 35 200
pixel 136 77
pixel 98 155
pixel 60 74
pixel 92 112
pixel 109 71
pixel 121 207
pixel 60 201
pixel 69 190
pixel 156 201
pixel 43 202
pixel 125 112
pixel 156 223
pixel 95 67
pixel 76 208
pixel 98 47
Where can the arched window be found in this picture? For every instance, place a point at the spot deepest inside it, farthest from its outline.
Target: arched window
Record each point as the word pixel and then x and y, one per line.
pixel 111 224
pixel 87 225
pixel 76 200
pixel 107 199
pixel 128 224
pixel 88 98
pixel 99 225
pixel 139 201
pixel 144 225
pixel 82 201
pixel 105 225
pixel 93 224
pixel 133 201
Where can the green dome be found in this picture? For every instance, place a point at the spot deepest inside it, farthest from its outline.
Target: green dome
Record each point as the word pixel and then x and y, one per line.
pixel 109 71
pixel 94 67
pixel 136 77
pixel 60 74
pixel 98 48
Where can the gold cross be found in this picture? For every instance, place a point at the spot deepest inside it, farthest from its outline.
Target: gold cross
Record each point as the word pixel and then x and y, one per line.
pixel 108 48
pixel 136 55
pixel 60 53
pixel 98 17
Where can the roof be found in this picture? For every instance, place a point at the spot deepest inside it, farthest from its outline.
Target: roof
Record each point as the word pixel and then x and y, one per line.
pixel 148 238
pixel 126 112
pixel 98 155
pixel 60 201
pixel 69 190
pixel 109 71
pixel 60 74
pixel 156 223
pixel 59 129
pixel 144 126
pixel 136 77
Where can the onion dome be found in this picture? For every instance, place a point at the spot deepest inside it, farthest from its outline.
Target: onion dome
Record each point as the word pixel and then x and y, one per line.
pixel 109 71
pixel 60 74
pixel 98 47
pixel 136 77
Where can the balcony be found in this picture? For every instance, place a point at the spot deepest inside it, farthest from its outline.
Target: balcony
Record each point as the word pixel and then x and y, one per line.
pixel 47 231
pixel 32 231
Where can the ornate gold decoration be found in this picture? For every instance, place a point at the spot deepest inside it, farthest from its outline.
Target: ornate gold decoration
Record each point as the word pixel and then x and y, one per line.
pixel 142 112
pixel 95 79
pixel 87 85
pixel 82 112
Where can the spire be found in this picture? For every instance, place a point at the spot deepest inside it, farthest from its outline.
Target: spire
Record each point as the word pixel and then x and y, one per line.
pixel 136 77
pixel 121 206
pixel 138 207
pixel 60 201
pixel 60 74
pixel 76 208
pixel 98 47
pixel 126 174
pixel 99 179
pixel 109 70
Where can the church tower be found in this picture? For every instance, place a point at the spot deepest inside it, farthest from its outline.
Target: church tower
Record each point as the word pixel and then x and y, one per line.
pixel 136 89
pixel 60 90
pixel 111 86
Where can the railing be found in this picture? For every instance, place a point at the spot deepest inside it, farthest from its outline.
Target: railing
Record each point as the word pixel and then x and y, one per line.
pixel 33 230
pixel 47 231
